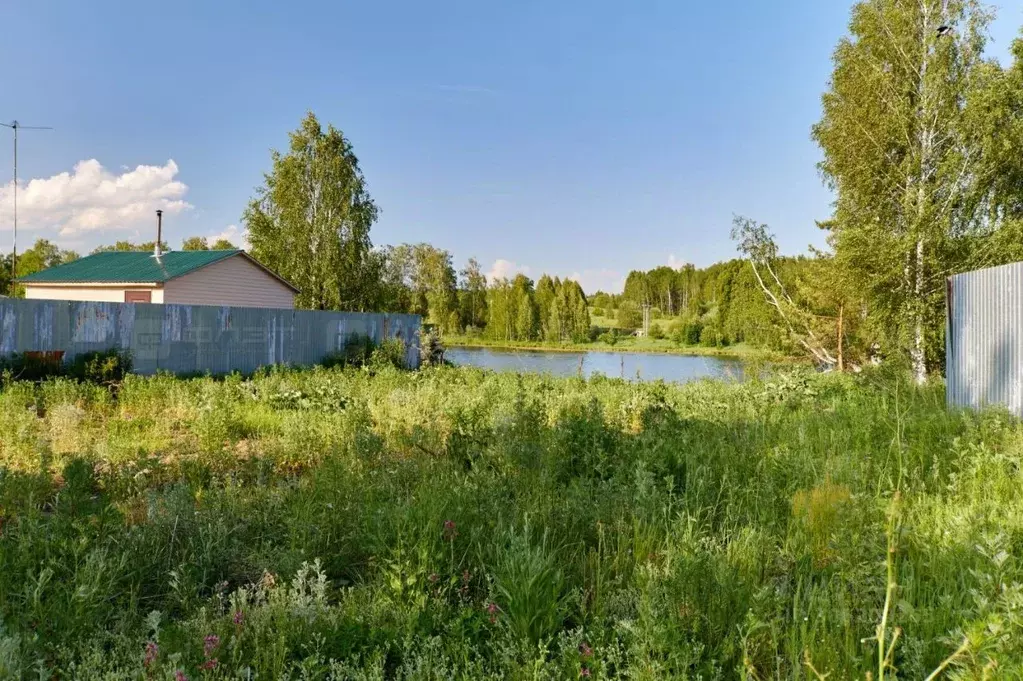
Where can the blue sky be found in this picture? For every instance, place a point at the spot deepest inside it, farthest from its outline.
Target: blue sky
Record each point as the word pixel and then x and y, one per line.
pixel 577 138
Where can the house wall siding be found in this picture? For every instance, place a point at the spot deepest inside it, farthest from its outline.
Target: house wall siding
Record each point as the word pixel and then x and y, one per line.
pixel 99 294
pixel 234 281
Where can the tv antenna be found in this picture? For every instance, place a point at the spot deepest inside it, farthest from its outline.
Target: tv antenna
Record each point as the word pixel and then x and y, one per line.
pixel 15 125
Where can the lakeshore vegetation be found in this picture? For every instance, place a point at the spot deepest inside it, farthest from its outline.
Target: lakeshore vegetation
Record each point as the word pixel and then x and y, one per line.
pixel 456 523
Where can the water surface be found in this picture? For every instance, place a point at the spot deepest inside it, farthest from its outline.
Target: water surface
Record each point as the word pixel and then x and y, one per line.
pixel 631 365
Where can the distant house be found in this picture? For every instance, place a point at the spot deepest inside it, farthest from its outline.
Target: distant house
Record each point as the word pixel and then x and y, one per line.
pixel 231 278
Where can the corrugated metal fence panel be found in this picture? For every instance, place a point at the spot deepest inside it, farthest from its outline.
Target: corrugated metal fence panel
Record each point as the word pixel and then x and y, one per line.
pixel 984 342
pixel 195 338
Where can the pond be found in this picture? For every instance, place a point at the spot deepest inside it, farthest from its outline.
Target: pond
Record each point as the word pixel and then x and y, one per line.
pixel 631 365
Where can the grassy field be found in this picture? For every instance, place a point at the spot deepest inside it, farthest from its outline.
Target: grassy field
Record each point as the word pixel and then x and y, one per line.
pixel 454 523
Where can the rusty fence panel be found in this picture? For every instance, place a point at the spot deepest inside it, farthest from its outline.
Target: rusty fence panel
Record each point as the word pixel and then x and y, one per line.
pixel 194 338
pixel 984 338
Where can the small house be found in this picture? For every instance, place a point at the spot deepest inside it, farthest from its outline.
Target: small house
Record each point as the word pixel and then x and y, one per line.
pixel 222 278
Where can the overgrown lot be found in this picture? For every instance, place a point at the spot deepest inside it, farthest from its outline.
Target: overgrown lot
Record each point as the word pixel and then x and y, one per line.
pixel 457 523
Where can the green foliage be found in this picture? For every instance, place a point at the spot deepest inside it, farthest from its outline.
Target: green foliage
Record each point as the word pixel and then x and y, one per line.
pixel 195 243
pixel 347 523
pixel 656 331
pixel 629 317
pixel 41 256
pixel 687 333
pixel 100 366
pixel 148 246
pixel 361 351
pixel 311 219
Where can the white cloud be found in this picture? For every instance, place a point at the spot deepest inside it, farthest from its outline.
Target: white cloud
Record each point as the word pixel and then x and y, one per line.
pixel 606 280
pixel 91 198
pixel 233 233
pixel 505 269
pixel 676 263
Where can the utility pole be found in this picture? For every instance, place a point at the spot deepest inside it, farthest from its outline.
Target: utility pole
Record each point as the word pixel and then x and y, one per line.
pixel 15 125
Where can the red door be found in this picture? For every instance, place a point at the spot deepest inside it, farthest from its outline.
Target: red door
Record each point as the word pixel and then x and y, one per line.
pixel 138 296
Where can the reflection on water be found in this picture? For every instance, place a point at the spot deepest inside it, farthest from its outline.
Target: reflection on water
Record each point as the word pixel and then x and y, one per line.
pixel 647 367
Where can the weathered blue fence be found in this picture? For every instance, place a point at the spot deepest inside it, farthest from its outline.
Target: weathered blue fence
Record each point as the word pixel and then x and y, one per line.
pixel 194 338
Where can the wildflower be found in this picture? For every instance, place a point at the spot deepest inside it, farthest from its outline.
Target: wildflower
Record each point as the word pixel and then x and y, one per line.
pixel 433 577
pixel 239 618
pixel 209 644
pixel 151 652
pixel 585 650
pixel 584 671
pixel 492 611
pixel 209 664
pixel 466 576
pixel 450 531
pixel 180 676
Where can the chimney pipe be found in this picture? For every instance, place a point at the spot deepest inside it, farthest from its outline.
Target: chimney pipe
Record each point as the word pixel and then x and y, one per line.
pixel 159 233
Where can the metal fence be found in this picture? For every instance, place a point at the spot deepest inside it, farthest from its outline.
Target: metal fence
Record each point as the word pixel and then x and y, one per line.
pixel 195 338
pixel 984 339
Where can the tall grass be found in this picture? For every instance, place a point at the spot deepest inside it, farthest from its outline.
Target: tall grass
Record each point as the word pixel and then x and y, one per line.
pixel 454 523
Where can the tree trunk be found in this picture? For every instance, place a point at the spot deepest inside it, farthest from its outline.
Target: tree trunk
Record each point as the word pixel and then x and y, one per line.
pixel 917 353
pixel 841 354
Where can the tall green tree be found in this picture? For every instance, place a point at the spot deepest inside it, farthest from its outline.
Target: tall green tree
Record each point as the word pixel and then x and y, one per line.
pixel 898 153
pixel 43 254
pixel 195 243
pixel 473 300
pixel 420 279
pixel 311 220
pixel 129 246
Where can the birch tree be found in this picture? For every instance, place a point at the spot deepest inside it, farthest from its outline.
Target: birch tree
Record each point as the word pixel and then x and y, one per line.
pixel 898 155
pixel 310 221
pixel 757 245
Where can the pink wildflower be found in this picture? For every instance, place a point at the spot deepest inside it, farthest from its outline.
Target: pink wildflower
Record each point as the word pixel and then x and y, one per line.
pixel 151 652
pixel 209 664
pixel 585 650
pixel 239 618
pixel 433 577
pixel 180 676
pixel 584 671
pixel 209 644
pixel 450 530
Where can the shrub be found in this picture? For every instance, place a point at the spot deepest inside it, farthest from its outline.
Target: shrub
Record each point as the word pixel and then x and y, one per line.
pixel 656 331
pixel 629 317
pixel 687 333
pixel 99 366
pixel 390 353
pixel 431 352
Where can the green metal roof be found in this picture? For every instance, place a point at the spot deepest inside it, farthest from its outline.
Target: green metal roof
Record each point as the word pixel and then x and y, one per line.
pixel 127 266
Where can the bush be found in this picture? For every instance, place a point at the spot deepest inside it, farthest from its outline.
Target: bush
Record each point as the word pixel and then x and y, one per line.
pixel 656 332
pixel 598 312
pixel 609 337
pixel 99 366
pixel 431 351
pixel 687 333
pixel 629 317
